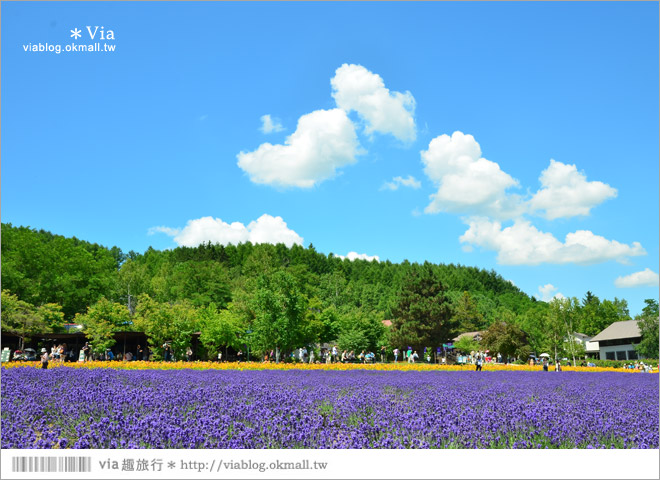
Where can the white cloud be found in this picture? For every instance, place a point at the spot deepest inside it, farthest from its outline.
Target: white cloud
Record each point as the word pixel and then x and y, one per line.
pixel 356 88
pixel 523 244
pixel 166 230
pixel 566 192
pixel 468 183
pixel 359 256
pixel 645 278
pixel 548 293
pixel 269 125
pixel 266 229
pixel 324 141
pixel 397 182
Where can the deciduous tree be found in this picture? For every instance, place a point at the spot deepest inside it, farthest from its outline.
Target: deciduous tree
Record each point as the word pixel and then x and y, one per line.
pixel 101 321
pixel 648 325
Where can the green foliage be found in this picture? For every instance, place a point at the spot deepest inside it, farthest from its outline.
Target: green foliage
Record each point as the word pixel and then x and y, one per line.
pixel 467 315
pixel 40 268
pixel 467 344
pixel 423 314
pixel 595 316
pixel 52 315
pixel 164 322
pixel 554 327
pixel 359 331
pixel 648 325
pixel 353 340
pixel 21 318
pixel 617 363
pixel 101 321
pixel 280 314
pixel 286 296
pixel 220 328
pixel 506 338
pixel 323 323
pixel 533 322
pixel 200 282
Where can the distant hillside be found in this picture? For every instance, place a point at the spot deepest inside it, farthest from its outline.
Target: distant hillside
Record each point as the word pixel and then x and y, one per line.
pixel 41 267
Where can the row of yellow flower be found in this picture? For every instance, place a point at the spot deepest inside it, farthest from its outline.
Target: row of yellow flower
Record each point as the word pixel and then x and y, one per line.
pixel 401 366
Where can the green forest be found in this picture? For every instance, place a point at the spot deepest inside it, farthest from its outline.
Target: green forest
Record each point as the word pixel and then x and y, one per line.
pixel 269 297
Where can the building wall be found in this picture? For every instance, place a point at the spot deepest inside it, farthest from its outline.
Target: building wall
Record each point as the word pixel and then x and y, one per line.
pixel 592 349
pixel 619 352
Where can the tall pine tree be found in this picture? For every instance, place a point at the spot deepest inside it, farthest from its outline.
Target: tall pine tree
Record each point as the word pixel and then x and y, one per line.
pixel 422 316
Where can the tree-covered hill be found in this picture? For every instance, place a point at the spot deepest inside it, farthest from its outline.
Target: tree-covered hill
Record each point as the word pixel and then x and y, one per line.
pixel 271 297
pixel 40 267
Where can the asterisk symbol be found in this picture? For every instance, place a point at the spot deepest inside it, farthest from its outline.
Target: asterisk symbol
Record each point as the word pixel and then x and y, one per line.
pixel 75 33
pixel 171 465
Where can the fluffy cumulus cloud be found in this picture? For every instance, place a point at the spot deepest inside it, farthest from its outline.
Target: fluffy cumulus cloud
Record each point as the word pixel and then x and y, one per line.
pixel 524 244
pixel 410 182
pixel 269 124
pixel 645 278
pixel 565 192
pixel 266 229
pixel 549 292
pixel 324 141
pixel 356 88
pixel 359 256
pixel 468 183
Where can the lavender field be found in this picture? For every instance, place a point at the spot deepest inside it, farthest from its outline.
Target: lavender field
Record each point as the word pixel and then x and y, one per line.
pixel 105 408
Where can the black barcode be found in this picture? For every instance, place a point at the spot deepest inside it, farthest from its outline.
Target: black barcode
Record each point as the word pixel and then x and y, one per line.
pixel 51 464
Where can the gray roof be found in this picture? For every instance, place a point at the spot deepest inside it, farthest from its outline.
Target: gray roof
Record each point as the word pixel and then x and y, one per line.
pixel 618 330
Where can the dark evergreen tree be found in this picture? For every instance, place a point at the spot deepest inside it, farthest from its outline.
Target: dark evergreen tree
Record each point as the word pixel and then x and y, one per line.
pixel 422 316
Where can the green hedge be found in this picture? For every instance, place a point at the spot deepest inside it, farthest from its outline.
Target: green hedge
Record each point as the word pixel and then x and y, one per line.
pixel 617 363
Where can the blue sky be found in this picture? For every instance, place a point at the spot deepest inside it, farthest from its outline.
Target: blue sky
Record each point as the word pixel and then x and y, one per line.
pixel 519 137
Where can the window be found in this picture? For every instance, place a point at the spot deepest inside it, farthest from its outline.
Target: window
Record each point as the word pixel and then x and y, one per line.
pixel 609 356
pixel 621 355
pixel 632 355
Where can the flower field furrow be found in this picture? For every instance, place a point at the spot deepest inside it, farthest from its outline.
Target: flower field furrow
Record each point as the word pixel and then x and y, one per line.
pixel 188 408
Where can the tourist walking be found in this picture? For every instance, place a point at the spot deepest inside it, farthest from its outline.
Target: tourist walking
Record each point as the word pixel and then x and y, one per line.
pixel 87 352
pixel 396 354
pixel 44 359
pixel 189 354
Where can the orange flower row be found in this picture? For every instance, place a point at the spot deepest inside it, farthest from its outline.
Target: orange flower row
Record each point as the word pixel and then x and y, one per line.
pixel 401 366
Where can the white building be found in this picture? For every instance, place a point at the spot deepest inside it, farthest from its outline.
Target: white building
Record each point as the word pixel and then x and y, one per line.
pixel 590 347
pixel 617 341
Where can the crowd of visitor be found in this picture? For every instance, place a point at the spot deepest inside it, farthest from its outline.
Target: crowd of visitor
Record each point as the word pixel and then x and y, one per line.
pixel 327 355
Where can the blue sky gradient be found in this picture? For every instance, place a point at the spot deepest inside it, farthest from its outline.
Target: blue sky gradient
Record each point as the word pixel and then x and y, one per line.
pixel 107 146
